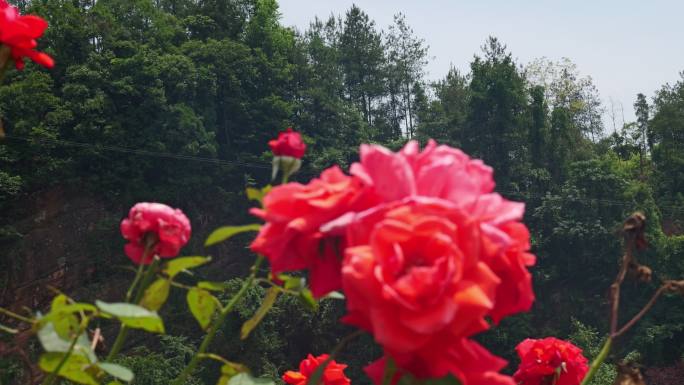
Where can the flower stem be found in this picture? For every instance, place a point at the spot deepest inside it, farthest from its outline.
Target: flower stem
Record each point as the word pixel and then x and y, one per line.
pixel 123 330
pixel 53 376
pixel 138 275
pixel 596 364
pixel 218 322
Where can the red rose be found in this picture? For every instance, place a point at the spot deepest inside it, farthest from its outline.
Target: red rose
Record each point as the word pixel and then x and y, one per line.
pixel 466 360
pixel 292 238
pixel 449 174
pixel 19 33
pixel 332 375
pixel 549 358
pixel 289 143
pixel 158 226
pixel 413 277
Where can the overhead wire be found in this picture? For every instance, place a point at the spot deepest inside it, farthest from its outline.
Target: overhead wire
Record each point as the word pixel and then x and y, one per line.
pixel 267 166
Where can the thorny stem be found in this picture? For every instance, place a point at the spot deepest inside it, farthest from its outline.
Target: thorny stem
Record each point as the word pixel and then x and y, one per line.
pixel 615 287
pixel 218 322
pixel 643 311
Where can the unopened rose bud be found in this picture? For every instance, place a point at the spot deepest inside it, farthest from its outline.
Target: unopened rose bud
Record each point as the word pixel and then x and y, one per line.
pixel 288 151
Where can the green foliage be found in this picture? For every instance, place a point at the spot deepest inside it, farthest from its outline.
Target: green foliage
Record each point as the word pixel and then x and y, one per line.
pixel 590 341
pixel 161 365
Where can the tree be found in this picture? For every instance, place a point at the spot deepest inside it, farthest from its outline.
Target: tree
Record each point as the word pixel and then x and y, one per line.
pixel 564 87
pixel 406 60
pixel 494 129
pixel 361 57
pixel 667 127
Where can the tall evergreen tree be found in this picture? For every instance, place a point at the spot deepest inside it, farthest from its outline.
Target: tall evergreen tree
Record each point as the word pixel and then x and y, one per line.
pixel 362 56
pixel 497 103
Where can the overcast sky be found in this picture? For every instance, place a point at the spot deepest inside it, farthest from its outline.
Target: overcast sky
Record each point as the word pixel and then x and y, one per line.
pixel 626 46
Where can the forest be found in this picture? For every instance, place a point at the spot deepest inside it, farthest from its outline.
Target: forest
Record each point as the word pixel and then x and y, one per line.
pixel 174 101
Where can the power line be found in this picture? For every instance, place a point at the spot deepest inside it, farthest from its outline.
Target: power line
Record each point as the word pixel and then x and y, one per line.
pixel 136 151
pixel 267 166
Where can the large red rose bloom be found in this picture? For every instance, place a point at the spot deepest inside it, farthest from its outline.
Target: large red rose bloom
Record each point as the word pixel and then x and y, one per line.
pixel 447 173
pixel 414 277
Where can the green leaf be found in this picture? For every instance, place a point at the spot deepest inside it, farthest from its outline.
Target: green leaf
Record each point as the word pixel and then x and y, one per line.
pixel 62 315
pixel 114 383
pixel 212 286
pixel 74 368
pixel 223 233
pixel 266 305
pixel 202 305
pixel 247 379
pixel 156 294
pixel 133 316
pixel 52 342
pixel 290 282
pixel 255 194
pixel 307 299
pixel 118 371
pixel 177 265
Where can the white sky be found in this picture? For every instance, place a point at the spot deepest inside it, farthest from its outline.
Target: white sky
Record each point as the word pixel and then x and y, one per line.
pixel 626 46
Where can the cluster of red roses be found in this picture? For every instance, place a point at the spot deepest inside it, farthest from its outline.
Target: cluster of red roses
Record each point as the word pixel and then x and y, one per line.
pixel 19 34
pixel 423 248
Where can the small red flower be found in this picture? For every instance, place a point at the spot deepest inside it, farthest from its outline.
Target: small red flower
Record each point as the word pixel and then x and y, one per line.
pixel 332 375
pixel 549 359
pixel 289 143
pixel 158 226
pixel 19 33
